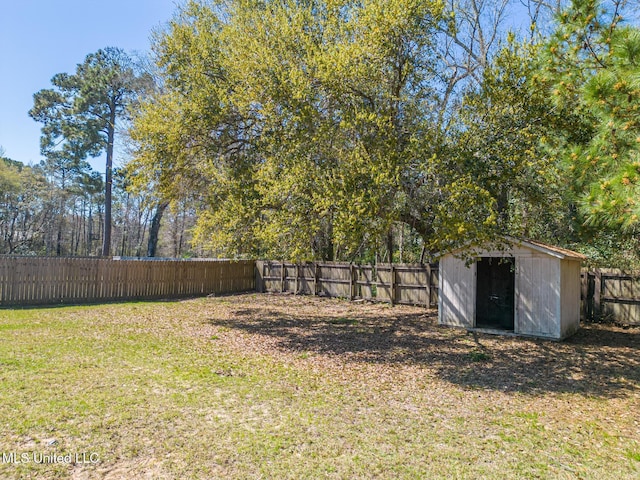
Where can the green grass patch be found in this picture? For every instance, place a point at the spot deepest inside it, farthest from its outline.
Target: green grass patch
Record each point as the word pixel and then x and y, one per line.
pixel 479 356
pixel 343 321
pixel 633 455
pixel 220 388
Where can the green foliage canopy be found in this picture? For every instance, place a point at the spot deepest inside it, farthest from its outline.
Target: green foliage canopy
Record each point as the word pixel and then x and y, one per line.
pixel 509 126
pixel 592 68
pixel 307 129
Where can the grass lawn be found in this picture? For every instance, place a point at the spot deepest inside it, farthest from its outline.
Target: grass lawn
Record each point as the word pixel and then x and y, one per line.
pixel 270 386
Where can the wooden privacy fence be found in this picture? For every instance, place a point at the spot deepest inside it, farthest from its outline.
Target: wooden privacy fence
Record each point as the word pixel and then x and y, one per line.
pixel 611 294
pixel 53 280
pixel 606 293
pixel 396 283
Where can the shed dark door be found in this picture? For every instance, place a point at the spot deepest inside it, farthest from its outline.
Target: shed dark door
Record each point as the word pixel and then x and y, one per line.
pixel 495 293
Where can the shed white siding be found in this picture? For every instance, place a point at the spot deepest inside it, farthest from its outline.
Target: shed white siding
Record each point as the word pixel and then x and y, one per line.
pixel 457 293
pixel 570 282
pixel 538 300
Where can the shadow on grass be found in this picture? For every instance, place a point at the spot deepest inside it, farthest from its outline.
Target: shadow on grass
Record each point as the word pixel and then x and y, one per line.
pixel 599 360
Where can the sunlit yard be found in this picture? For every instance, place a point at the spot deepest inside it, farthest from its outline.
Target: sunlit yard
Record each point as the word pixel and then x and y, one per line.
pixel 270 386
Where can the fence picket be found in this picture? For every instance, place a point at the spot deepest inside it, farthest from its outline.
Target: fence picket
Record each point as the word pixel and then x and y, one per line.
pixel 388 283
pixel 51 280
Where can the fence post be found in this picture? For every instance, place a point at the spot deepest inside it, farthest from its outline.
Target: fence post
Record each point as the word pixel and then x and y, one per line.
pixel 282 277
pixel 392 287
pixel 584 291
pixel 428 282
pixel 351 282
pixel 315 278
pixel 375 280
pixel 297 276
pixel 597 294
pixel 259 274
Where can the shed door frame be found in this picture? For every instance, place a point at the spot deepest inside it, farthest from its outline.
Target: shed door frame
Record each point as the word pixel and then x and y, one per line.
pixel 496 291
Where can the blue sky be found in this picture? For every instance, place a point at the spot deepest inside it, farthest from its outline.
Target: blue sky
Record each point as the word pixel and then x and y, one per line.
pixel 39 38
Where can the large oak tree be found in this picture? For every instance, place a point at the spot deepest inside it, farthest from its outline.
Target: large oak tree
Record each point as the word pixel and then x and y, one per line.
pixel 307 128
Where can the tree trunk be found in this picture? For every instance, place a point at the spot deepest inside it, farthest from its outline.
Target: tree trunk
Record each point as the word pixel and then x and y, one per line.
pixel 61 225
pixel 90 231
pixel 152 245
pixel 329 251
pixel 502 200
pixel 59 240
pixel 106 240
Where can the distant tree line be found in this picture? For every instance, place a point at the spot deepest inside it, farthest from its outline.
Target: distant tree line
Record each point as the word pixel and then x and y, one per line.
pixel 49 210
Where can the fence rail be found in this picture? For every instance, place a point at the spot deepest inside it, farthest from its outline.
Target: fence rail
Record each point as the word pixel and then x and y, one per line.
pixel 611 294
pixel 54 280
pixel 395 283
pixel 608 294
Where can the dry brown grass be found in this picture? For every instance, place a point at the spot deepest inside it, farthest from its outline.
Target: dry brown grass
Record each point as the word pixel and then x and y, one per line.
pixel 272 386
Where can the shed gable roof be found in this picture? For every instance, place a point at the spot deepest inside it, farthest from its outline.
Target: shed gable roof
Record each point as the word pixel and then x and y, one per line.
pixel 551 250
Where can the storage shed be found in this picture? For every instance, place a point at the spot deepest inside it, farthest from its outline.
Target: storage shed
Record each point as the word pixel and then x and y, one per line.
pixel 529 288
